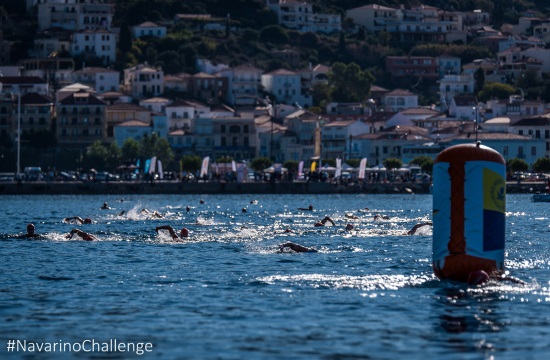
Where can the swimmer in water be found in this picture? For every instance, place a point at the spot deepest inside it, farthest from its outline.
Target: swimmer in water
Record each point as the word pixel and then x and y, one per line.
pixel 30 233
pixel 183 232
pixel 324 221
pixel 153 213
pixel 480 277
pixel 418 226
pixel 379 217
pixel 83 235
pixel 309 208
pixel 77 219
pixel 295 247
pixel 105 206
pixel 351 216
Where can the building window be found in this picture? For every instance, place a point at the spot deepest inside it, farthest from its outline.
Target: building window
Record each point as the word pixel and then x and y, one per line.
pixel 224 141
pixel 505 151
pixel 222 128
pixel 533 151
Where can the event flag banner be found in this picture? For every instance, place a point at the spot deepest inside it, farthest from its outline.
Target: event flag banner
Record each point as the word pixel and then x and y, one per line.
pixel 161 173
pixel 204 167
pixel 147 166
pixel 313 166
pixel 301 168
pixel 233 166
pixel 362 168
pixel 153 167
pixel 338 172
pixel 137 167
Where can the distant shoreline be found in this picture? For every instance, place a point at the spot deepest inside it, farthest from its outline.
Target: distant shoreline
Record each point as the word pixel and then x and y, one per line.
pixel 106 188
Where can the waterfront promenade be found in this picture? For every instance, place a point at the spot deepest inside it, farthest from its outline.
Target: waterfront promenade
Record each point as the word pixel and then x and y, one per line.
pixel 176 187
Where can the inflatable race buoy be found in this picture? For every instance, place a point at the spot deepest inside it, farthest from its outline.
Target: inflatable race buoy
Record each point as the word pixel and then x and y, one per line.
pixel 469 201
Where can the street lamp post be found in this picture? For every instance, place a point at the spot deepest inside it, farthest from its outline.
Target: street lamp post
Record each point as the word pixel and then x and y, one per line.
pixel 18 168
pixel 475 120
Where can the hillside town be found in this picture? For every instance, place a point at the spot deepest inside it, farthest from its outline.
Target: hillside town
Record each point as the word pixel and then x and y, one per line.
pixel 243 112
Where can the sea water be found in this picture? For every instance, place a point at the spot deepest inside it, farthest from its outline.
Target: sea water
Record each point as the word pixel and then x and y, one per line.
pixel 227 292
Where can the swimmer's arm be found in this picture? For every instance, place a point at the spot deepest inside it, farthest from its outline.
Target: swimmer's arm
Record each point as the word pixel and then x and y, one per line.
pixel 169 228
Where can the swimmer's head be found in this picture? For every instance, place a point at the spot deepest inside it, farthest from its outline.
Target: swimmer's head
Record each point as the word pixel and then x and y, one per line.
pixel 244 210
pixel 30 228
pixel 184 232
pixel 349 227
pixel 287 230
pixel 87 221
pixel 310 207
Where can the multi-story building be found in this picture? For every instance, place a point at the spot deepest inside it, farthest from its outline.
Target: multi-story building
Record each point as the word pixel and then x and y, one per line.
pixel 244 83
pixel 51 41
pixel 286 85
pixel 100 79
pixel 121 112
pixel 33 110
pixel 337 138
pixel 299 15
pixel 23 85
pixel 373 17
pixel 234 136
pixel 420 23
pixel 399 100
pixel 449 65
pixel 142 81
pixel 514 106
pixel 425 67
pixel 75 14
pixel 534 127
pixel 211 89
pixel 95 43
pixel 149 28
pixel 452 85
pixel 80 120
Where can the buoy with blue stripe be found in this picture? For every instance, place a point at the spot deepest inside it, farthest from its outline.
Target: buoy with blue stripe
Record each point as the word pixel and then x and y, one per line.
pixel 469 205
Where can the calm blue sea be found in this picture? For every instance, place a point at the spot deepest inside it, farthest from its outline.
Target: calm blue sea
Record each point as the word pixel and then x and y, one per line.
pixel 227 293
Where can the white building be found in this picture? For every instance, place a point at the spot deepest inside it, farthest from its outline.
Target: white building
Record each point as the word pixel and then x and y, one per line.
pixel 157 105
pixel 149 28
pixel 286 85
pixel 452 85
pixel 244 83
pixel 299 15
pixel 75 14
pixel 98 43
pixel 143 81
pixel 101 79
pixel 399 100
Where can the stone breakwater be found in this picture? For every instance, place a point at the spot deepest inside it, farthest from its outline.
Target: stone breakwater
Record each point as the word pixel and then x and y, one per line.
pixel 12 188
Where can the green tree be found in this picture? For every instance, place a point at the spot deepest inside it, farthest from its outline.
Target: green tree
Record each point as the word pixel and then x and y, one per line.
pixel 495 90
pixel 153 145
pixel 392 163
pixel 125 38
pixel 291 165
pixel 261 163
pixel 274 34
pixel 479 77
pixel 114 156
pixel 426 163
pixel 130 150
pixel 542 165
pixel 353 162
pixel 516 164
pixel 349 83
pixel 96 155
pixel 191 162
